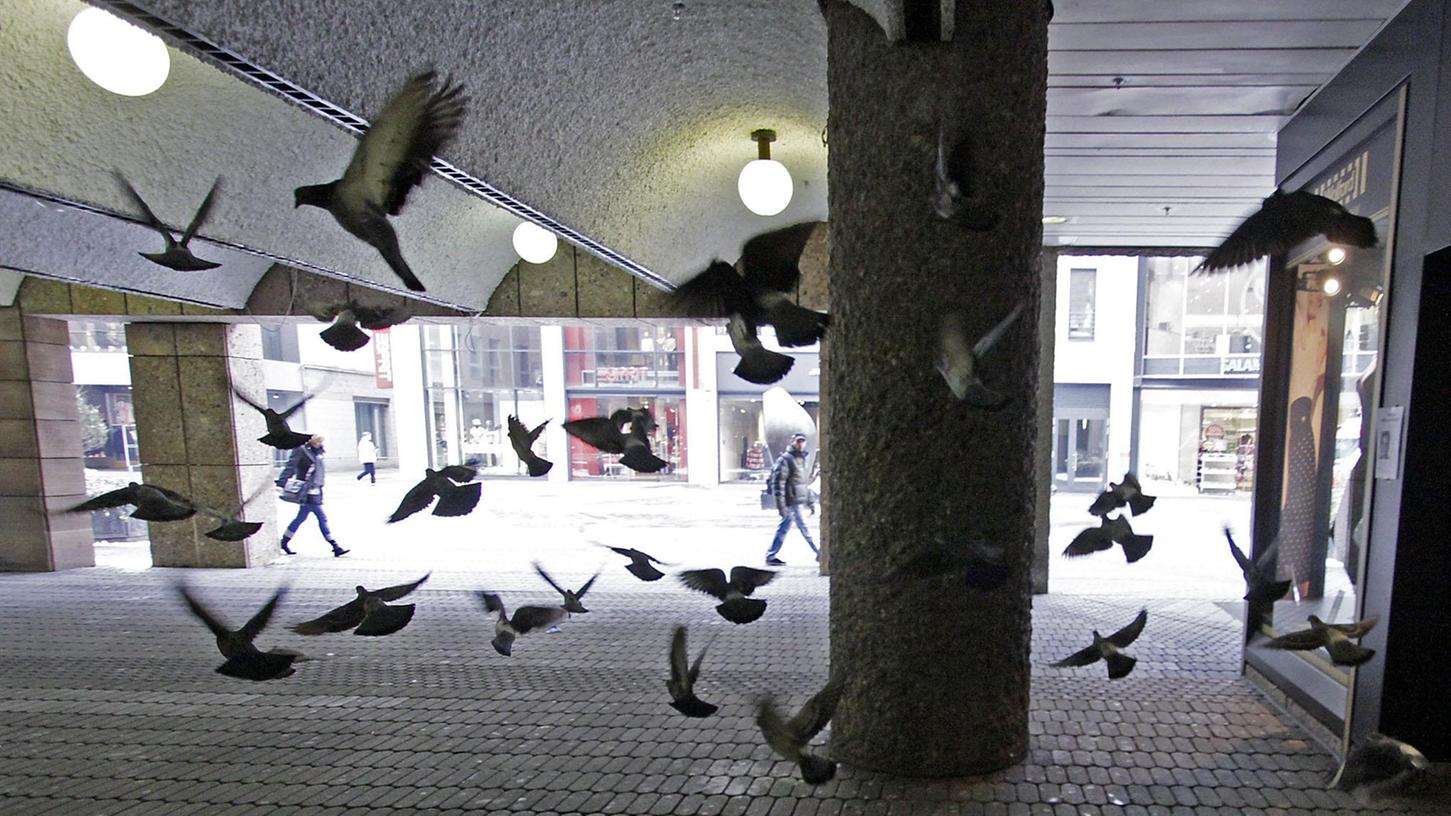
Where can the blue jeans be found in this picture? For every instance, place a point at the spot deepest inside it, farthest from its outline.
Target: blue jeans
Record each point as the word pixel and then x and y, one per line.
pixel 313 505
pixel 793 515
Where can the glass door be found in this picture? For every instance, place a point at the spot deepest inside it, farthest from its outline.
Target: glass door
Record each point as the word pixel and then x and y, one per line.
pixel 1080 447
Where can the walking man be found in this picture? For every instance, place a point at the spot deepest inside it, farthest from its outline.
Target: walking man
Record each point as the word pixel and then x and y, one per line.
pixel 789 483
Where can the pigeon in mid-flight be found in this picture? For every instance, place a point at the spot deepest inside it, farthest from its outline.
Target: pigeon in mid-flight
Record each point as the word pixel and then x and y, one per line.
pixel 758 364
pixel 683 674
pixel 1127 492
pixel 244 660
pixel 368 614
pixel 571 597
pixel 734 606
pixel 1284 220
pixel 524 620
pixel 952 197
pixel 1259 574
pixel 789 738
pixel 960 364
pixel 1110 531
pixel 389 161
pixel 1335 638
pixel 770 264
pixel 1380 766
pixel 1108 649
pixel 605 433
pixel 454 487
pixel 152 502
pixel 349 318
pixel 178 255
pixel 642 565
pixel 522 440
pixel 278 435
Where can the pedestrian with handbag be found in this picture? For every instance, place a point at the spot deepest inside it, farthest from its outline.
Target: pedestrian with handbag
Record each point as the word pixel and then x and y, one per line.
pixel 301 482
pixel 789 484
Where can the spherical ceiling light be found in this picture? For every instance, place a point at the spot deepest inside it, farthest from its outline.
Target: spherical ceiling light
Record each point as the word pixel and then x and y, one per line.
pixel 1331 286
pixel 765 184
pixel 116 55
pixel 534 243
pixel 1336 255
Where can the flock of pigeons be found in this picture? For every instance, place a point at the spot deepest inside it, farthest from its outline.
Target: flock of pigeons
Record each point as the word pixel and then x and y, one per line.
pixel 393 157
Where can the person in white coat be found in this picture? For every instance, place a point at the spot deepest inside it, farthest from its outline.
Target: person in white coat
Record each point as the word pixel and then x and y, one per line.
pixel 368 457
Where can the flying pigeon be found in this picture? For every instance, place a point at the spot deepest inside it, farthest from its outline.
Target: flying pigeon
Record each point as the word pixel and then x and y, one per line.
pixel 177 255
pixel 571 597
pixel 388 163
pixel 522 439
pixel 789 738
pixel 641 564
pixel 453 499
pixel 1334 637
pixel 278 435
pixel 367 614
pixel 1284 220
pixel 682 679
pixel 959 363
pixel 230 526
pixel 1259 574
pixel 525 620
pixel 1127 492
pixel 344 334
pixel 952 198
pixel 771 266
pixel 758 364
pixel 152 502
pixel 1108 648
pixel 1110 531
pixel 244 660
pixel 1379 766
pixel 604 433
pixel 735 606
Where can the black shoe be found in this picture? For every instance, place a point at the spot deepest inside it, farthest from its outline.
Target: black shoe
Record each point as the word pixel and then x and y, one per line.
pixel 775 562
pixel 285 550
pixel 339 552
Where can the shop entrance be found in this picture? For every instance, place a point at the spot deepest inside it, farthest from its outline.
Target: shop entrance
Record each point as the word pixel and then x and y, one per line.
pixel 1080 436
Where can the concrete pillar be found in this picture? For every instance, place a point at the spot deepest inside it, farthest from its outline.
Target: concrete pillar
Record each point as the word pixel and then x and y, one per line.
pixel 197 438
pixel 702 414
pixel 1043 450
pixel 409 407
pixel 41 469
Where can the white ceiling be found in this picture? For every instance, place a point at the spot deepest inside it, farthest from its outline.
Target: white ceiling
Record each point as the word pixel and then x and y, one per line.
pixel 630 126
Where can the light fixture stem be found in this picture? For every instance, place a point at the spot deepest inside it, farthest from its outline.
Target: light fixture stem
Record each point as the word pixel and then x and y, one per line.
pixel 763 139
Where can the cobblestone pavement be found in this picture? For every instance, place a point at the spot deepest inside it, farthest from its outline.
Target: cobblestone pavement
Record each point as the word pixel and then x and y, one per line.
pixel 111 705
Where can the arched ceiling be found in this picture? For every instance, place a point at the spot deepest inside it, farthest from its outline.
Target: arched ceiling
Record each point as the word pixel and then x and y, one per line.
pixel 629 125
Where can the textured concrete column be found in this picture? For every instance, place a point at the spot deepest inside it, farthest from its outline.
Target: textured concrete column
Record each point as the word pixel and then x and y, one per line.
pixel 199 439
pixel 1043 453
pixel 41 469
pixel 936 675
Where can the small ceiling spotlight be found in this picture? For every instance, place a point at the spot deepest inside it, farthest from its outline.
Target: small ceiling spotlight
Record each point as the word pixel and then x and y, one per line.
pixel 1330 286
pixel 534 243
pixel 1336 255
pixel 765 184
pixel 117 55
pixel 1055 219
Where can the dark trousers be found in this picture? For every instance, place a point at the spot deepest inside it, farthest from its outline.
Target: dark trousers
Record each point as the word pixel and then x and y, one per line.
pixel 369 470
pixel 313 505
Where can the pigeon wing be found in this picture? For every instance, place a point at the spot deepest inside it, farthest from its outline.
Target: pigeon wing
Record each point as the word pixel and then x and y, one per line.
pixel 987 341
pixel 1245 565
pixel 548 580
pixel 140 204
pixel 716 292
pixel 417 498
pixel 203 614
pixel 710 581
pixel 1123 637
pixel 599 432
pixel 393 593
pixel 395 152
pixel 679 660
pixel 381 317
pixel 817 712
pixel 746 580
pixel 1301 641
pixel 340 619
pixel 1083 657
pixel 113 498
pixel 201 213
pixel 1260 234
pixel 459 473
pixel 520 437
pixel 493 604
pixel 459 501
pixel 772 260
pixel 254 626
pixel 587 585
pixel 1088 542
pixel 1357 629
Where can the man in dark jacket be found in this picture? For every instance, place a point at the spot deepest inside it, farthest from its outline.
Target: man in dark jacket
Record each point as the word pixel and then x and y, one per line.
pixel 789 483
pixel 306 463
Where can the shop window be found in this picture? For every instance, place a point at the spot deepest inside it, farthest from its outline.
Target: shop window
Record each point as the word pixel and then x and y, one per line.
pixel 372 416
pixel 623 358
pixel 667 441
pixel 280 343
pixel 1081 285
pixel 475 376
pixel 1226 450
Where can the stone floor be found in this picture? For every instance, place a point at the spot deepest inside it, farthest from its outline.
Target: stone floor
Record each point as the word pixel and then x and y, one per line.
pixel 110 704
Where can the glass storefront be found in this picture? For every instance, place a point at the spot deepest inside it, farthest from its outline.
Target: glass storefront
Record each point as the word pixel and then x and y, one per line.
pixel 474 376
pixel 667 441
pixel 1226 450
pixel 1202 325
pixel 746 452
pixel 610 368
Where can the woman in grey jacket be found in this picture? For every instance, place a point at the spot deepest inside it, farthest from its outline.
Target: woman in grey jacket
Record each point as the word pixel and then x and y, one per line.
pixel 306 463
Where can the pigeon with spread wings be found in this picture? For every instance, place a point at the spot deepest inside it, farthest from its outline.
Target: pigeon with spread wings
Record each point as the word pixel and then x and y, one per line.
pixel 389 161
pixel 734 606
pixel 960 364
pixel 605 433
pixel 571 597
pixel 1127 492
pixel 1108 649
pixel 525 619
pixel 349 318
pixel 1110 531
pixel 522 439
pixel 244 660
pixel 152 503
pixel 683 675
pixel 454 487
pixel 1335 638
pixel 1259 574
pixel 1284 220
pixel 642 565
pixel 278 435
pixel 789 738
pixel 178 254
pixel 367 614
